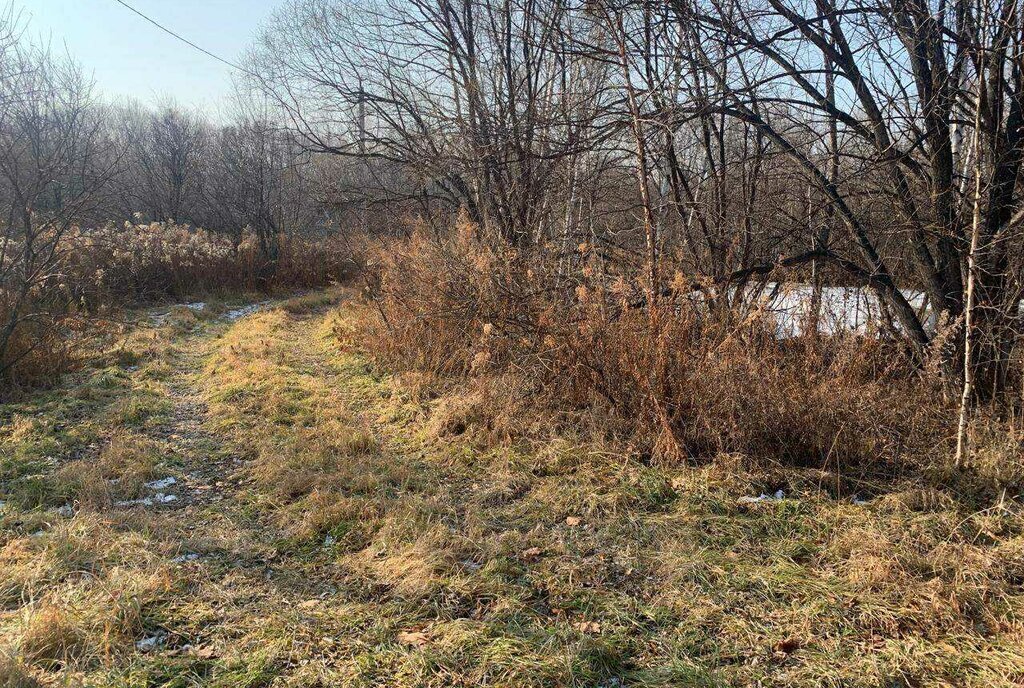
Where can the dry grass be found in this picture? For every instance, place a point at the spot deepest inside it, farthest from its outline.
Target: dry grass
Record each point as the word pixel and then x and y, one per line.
pixel 532 355
pixel 118 472
pixel 364 539
pixel 164 260
pixel 107 268
pixel 561 564
pixel 15 674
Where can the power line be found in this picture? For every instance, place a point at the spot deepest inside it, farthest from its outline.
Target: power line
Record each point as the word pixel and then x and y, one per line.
pixel 182 38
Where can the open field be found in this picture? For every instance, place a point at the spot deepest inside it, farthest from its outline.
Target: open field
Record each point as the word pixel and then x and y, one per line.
pixel 328 525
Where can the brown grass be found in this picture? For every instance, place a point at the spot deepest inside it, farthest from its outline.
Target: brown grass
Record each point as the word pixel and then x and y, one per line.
pixel 165 260
pixel 532 352
pixel 118 472
pixel 370 532
pixel 15 674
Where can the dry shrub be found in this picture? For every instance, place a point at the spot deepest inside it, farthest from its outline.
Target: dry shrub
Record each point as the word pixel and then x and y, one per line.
pixel 681 382
pixel 37 351
pixel 699 387
pixel 442 299
pixel 163 259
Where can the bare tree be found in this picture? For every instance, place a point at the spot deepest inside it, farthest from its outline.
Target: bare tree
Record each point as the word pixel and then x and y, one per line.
pixel 52 162
pixel 900 84
pixel 162 174
pixel 472 98
pixel 258 180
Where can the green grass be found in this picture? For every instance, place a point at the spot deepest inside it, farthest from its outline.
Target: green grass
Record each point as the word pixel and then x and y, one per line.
pixel 357 545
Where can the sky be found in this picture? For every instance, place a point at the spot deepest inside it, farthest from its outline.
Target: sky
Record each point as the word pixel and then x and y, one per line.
pixel 130 58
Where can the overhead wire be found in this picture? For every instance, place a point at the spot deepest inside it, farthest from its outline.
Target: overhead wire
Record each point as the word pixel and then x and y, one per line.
pixel 183 39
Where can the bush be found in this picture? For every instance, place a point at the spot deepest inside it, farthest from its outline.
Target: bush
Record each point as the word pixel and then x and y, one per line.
pixel 677 382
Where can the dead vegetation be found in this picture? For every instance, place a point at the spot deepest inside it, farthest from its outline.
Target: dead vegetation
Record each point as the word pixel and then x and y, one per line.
pixel 363 528
pixel 684 383
pixel 107 269
pixel 561 436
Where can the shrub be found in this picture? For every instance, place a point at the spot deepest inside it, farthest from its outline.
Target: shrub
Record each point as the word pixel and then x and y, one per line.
pixel 677 382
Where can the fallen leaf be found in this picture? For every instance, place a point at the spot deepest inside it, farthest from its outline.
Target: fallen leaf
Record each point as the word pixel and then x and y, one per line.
pixel 532 553
pixel 413 638
pixel 592 627
pixel 788 645
pixel 308 604
pixel 573 521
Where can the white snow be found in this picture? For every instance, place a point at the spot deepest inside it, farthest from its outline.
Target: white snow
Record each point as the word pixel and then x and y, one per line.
pixel 150 643
pixel 161 484
pixel 843 309
pixel 761 498
pixel 184 558
pixel 158 498
pixel 237 313
pixel 200 306
pixel 66 511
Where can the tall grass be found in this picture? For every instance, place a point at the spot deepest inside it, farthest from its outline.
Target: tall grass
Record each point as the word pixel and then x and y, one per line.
pixel 677 382
pixel 165 260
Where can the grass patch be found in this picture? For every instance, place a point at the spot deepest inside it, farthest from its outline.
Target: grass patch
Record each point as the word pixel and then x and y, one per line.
pixel 351 537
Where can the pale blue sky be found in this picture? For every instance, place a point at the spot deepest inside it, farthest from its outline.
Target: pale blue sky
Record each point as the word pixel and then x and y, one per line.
pixel 129 57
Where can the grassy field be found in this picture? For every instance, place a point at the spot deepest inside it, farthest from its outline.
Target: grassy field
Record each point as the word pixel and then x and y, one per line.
pixel 330 524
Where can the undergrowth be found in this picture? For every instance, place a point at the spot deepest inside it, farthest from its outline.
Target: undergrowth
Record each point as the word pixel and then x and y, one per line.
pixel 533 353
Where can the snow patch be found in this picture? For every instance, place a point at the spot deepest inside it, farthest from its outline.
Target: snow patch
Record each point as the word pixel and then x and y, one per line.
pixel 161 484
pixel 237 313
pixel 158 498
pixel 150 643
pixel 762 498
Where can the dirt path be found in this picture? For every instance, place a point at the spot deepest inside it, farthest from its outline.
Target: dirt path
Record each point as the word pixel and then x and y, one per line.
pixel 209 466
